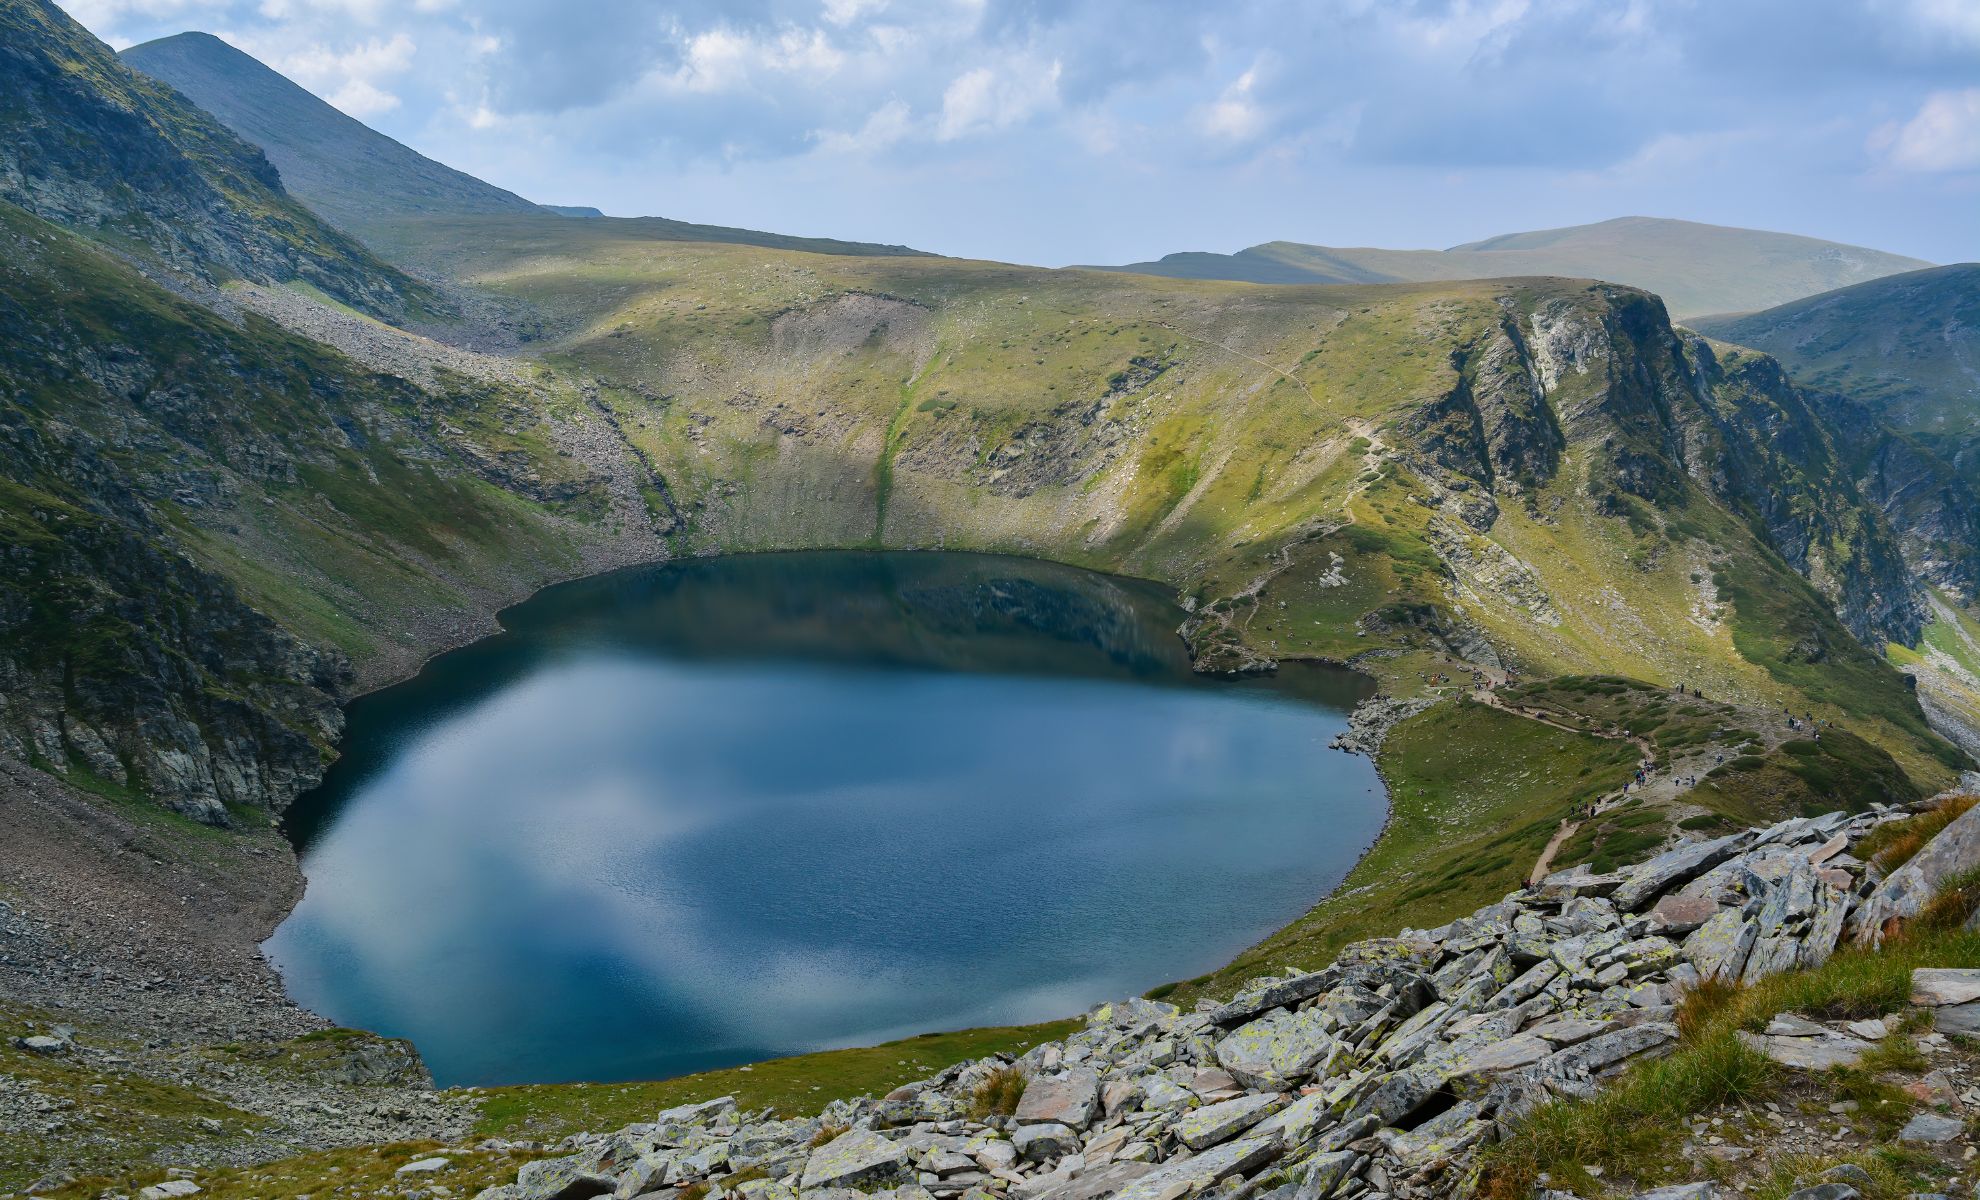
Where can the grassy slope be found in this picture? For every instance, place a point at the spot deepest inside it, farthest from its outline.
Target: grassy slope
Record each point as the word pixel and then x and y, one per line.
pixel 808 400
pixel 1633 1130
pixel 796 1086
pixel 365 529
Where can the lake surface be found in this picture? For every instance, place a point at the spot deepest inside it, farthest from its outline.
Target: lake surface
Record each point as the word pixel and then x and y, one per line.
pixel 703 814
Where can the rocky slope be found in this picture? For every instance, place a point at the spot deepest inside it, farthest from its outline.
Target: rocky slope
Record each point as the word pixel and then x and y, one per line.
pixel 181 493
pixel 1695 268
pixel 1907 345
pixel 1385 1073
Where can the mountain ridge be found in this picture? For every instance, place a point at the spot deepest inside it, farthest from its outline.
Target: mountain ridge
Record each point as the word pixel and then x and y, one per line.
pixel 1661 255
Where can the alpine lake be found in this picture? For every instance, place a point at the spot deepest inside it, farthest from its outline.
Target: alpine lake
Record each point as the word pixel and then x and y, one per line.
pixel 720 810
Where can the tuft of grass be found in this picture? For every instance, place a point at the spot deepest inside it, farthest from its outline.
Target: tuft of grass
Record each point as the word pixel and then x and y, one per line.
pixel 1634 1127
pixel 826 1135
pixel 998 1094
pixel 1891 846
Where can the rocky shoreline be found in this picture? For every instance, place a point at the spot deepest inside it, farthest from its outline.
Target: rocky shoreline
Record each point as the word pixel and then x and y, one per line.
pixel 1384 1074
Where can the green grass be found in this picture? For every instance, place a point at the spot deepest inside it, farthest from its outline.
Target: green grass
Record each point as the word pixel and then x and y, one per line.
pixel 356 1170
pixel 1632 1129
pixel 110 1119
pixel 793 1086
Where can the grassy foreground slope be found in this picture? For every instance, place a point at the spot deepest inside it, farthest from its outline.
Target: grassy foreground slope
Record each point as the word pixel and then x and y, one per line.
pixel 1696 268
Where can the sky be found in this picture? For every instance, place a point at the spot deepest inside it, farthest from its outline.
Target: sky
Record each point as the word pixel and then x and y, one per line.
pixel 1105 131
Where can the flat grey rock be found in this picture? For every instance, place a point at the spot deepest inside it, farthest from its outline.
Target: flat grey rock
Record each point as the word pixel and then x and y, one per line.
pixel 1932 987
pixel 1099 1182
pixel 1931 1129
pixel 1036 1143
pixel 1217 1123
pixel 1963 1019
pixel 1278 1049
pixel 856 1157
pixel 1682 914
pixel 1808 1053
pixel 1199 1173
pixel 1673 867
pixel 1071 1098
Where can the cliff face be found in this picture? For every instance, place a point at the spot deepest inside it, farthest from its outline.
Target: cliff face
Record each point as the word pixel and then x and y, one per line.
pixel 1649 412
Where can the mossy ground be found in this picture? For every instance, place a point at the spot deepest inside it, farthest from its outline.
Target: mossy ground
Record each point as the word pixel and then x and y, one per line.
pixel 795 1086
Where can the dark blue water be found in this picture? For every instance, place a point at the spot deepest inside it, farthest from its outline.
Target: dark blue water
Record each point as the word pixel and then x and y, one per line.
pixel 710 813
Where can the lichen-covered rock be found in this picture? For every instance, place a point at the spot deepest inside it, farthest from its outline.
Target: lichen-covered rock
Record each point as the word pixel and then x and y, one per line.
pixel 1719 948
pixel 855 1158
pixel 1216 1123
pixel 1036 1143
pixel 1278 1049
pixel 1651 879
pixel 1195 1175
pixel 1070 1098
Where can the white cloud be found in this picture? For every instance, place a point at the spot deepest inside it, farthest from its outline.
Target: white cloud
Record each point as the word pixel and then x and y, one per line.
pixel 845 12
pixel 1943 136
pixel 1235 115
pixel 1958 20
pixel 360 99
pixel 724 60
pixel 886 126
pixel 986 99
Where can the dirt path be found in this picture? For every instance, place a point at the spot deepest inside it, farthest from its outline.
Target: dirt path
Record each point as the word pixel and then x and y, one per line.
pixel 1545 863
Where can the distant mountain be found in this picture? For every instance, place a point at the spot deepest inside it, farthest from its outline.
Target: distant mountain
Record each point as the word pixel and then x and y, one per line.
pixel 342 168
pixel 365 182
pixel 111 153
pixel 1695 268
pixel 1895 363
pixel 1910 344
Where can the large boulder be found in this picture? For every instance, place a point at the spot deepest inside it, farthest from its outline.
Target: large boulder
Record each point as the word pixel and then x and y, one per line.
pixel 1217 1123
pixel 1278 1049
pixel 1199 1173
pixel 1651 879
pixel 1070 1098
pixel 1905 892
pixel 855 1158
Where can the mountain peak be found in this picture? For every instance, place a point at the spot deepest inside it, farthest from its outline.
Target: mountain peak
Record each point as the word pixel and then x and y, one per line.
pixel 342 168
